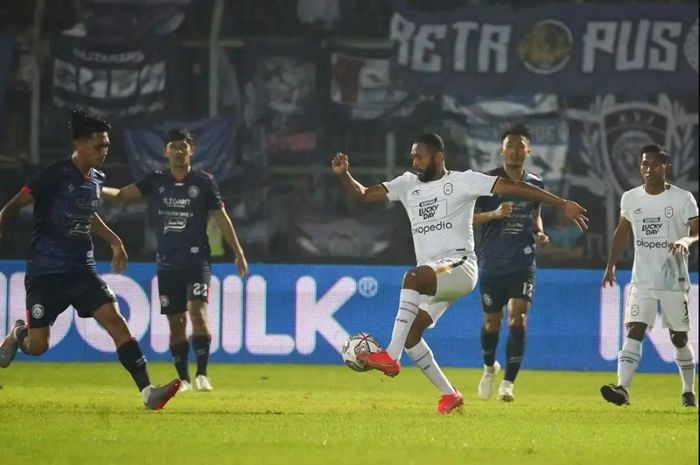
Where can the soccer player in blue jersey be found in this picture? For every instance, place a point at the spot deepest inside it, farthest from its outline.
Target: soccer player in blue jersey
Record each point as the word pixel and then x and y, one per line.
pixel 512 229
pixel 180 201
pixel 61 264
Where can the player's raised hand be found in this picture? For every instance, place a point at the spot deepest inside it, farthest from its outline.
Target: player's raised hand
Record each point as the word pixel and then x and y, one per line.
pixel 575 213
pixel 119 258
pixel 608 278
pixel 241 266
pixel 340 163
pixel 504 210
pixel 679 247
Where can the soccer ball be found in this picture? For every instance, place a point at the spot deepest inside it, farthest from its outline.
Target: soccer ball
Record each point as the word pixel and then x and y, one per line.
pixel 360 342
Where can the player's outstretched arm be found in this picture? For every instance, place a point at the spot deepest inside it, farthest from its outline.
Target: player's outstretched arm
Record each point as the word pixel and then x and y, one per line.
pixel 619 242
pixel 340 166
pixel 504 210
pixel 12 208
pixel 130 193
pixel 682 245
pixel 229 233
pixel 573 211
pixel 119 256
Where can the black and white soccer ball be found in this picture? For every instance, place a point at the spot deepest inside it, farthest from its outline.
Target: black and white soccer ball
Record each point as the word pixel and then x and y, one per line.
pixel 360 342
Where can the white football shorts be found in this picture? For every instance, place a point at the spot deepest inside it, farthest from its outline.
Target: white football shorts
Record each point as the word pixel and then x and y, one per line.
pixel 456 276
pixel 642 306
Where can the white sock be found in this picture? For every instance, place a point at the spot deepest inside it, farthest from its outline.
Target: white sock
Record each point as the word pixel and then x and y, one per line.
pixel 145 392
pixel 422 356
pixel 685 359
pixel 405 316
pixel 628 361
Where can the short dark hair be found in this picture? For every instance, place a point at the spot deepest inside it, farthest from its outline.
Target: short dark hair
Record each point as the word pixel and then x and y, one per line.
pixel 83 124
pixel 179 134
pixel 656 148
pixel 432 140
pixel 516 130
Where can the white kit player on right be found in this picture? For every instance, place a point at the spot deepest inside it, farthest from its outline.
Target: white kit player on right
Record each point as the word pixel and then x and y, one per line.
pixel 664 221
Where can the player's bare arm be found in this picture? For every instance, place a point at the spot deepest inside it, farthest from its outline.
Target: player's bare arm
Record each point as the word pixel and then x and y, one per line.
pixel 619 243
pixel 12 208
pixel 682 245
pixel 130 193
pixel 340 165
pixel 504 210
pixel 229 233
pixel 538 231
pixel 119 256
pixel 573 211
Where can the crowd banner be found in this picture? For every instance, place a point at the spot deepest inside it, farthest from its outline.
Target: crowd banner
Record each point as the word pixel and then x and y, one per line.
pixel 304 313
pixel 116 79
pixel 213 139
pixel 572 49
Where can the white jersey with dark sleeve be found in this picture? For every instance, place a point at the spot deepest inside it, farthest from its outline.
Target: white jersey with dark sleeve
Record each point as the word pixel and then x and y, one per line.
pixel 441 212
pixel 658 221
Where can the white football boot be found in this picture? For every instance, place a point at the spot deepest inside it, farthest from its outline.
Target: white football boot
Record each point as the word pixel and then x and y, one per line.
pixel 202 383
pixel 487 380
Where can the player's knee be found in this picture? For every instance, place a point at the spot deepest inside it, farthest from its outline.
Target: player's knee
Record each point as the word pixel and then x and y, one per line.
pixel 517 321
pixel 198 322
pixel 636 331
pixel 679 339
pixel 492 322
pixel 36 346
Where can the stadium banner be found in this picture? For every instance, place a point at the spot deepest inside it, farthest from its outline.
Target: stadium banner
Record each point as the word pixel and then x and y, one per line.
pixel 304 313
pixel 279 96
pixel 116 79
pixel 574 49
pixel 361 84
pixel 213 139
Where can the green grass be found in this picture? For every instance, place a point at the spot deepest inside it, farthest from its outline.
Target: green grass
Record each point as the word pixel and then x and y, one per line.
pixel 59 413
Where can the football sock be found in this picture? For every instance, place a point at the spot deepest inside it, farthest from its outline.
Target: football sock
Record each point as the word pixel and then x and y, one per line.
pixel 489 342
pixel 422 356
pixel 133 360
pixel 180 352
pixel 20 335
pixel 627 361
pixel 201 344
pixel 685 359
pixel 515 348
pixel 406 315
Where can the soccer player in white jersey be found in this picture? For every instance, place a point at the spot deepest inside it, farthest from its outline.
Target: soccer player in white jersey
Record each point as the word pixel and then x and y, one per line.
pixel 664 221
pixel 440 206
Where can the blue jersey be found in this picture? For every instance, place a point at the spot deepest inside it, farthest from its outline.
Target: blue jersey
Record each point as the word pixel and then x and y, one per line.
pixel 65 203
pixel 179 211
pixel 508 244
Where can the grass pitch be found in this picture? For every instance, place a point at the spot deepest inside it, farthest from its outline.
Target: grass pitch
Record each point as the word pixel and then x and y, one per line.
pixel 61 413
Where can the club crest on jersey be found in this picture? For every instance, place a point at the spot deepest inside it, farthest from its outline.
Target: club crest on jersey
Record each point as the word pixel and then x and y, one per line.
pixel 416 192
pixel 668 211
pixel 193 191
pixel 448 188
pixel 37 311
pixel 638 211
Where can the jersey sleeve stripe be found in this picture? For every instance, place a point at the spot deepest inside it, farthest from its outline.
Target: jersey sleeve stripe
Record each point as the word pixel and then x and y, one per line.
pixel 692 217
pixel 494 184
pixel 384 187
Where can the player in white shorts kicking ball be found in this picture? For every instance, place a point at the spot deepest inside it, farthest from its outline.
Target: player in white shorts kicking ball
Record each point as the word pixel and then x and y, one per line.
pixel 440 205
pixel 664 220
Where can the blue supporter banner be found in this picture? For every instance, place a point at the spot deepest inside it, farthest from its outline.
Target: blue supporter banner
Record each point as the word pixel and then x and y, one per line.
pixel 304 313
pixel 574 49
pixel 213 139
